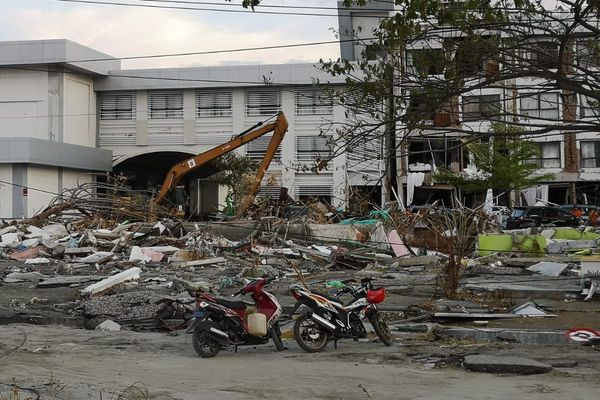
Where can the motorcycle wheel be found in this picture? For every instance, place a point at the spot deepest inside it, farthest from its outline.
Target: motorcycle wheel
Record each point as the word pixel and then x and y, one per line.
pixel 381 328
pixel 276 336
pixel 309 335
pixel 205 346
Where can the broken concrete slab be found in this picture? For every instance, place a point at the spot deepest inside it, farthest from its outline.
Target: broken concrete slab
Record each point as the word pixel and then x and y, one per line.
pixel 55 230
pixel 205 261
pixel 105 284
pixel 109 326
pixel 136 255
pixel 505 365
pixel 97 258
pixel 16 277
pixel 548 268
pixel 10 239
pixel 419 260
pixel 38 260
pixel 68 280
pixel 69 251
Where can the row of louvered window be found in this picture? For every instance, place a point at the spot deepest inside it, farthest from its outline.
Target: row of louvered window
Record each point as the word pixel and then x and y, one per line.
pixel 213 103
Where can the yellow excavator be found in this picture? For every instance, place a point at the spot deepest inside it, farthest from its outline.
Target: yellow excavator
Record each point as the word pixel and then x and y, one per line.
pixel 178 171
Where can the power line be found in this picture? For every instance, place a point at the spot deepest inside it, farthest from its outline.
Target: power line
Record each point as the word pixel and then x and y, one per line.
pixel 208 52
pixel 238 5
pixel 187 8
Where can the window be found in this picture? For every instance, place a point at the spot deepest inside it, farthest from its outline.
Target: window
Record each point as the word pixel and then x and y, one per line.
pixel 587 53
pixel 213 103
pixel 166 105
pixel 425 62
pixel 473 55
pixel 590 154
pixel 420 107
pixel 480 107
pixel 257 148
pixel 540 105
pixel 322 193
pixel 544 55
pixel 549 155
pixel 375 51
pixel 438 152
pixel 115 106
pixel 312 101
pixel 313 148
pixel 261 102
pixel 589 107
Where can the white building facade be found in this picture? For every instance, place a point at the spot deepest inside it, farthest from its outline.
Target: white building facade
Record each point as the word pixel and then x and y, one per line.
pixel 64 118
pixel 47 122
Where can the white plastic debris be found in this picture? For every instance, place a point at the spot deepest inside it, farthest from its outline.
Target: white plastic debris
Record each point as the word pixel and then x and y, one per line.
pixel 121 277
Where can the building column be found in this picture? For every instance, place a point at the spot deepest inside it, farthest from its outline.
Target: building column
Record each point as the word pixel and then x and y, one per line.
pixel 141 118
pixel 288 145
pixel 189 116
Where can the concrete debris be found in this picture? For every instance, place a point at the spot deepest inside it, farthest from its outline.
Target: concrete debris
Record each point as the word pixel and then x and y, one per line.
pixel 505 365
pixel 109 326
pixel 144 273
pixel 548 268
pixel 105 284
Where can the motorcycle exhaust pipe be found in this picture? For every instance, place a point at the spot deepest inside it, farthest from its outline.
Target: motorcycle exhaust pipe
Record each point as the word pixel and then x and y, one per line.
pixel 219 335
pixel 322 321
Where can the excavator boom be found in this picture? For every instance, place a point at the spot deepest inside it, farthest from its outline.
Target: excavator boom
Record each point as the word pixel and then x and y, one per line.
pixel 178 171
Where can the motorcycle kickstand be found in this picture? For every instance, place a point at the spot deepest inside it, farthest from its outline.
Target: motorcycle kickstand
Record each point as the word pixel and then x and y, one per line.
pixel 235 348
pixel 335 345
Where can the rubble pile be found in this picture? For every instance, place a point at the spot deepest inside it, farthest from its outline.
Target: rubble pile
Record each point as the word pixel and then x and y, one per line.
pixel 146 275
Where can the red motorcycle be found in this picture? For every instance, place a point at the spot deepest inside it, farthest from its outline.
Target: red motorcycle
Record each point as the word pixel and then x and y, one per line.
pixel 219 323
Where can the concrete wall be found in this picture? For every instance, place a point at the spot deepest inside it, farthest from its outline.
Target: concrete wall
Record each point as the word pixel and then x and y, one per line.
pixel 23 103
pixel 79 111
pixel 6 191
pixel 43 187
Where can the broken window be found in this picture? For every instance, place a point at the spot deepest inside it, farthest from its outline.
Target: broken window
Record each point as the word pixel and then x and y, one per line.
pixel 213 103
pixel 476 56
pixel 424 62
pixel 420 107
pixel 590 154
pixel 263 102
pixel 439 153
pixel 166 104
pixel 117 106
pixel 544 55
pixel 549 155
pixel 540 105
pixel 312 101
pixel 480 107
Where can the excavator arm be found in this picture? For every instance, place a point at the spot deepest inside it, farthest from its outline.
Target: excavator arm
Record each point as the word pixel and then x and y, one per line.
pixel 178 171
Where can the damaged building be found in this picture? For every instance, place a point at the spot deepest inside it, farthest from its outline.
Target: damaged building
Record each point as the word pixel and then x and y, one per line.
pixel 531 101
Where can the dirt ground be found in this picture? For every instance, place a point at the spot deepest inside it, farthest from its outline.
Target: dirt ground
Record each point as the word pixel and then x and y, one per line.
pixel 67 363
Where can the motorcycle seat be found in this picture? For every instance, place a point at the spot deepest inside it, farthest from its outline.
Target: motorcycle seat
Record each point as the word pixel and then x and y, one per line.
pixel 233 304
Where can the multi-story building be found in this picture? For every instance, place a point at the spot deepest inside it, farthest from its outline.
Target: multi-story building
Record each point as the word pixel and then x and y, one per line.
pixel 64 116
pixel 530 101
pixel 48 137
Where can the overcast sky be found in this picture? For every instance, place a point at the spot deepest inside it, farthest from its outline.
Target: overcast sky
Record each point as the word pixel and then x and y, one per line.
pixel 131 31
